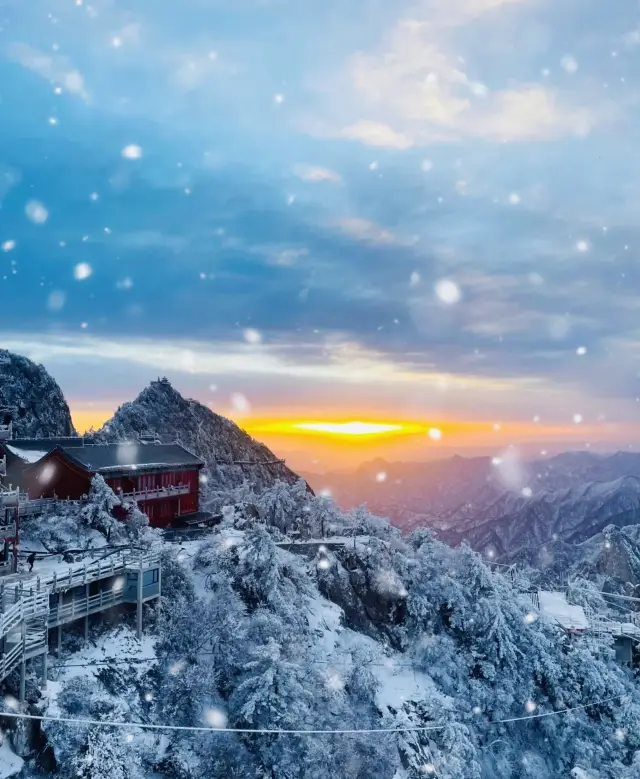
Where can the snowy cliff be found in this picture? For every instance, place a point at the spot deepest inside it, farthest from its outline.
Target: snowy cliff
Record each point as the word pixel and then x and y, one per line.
pixel 40 407
pixel 232 456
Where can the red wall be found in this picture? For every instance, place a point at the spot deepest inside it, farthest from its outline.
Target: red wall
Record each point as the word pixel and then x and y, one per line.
pixel 54 475
pixel 162 511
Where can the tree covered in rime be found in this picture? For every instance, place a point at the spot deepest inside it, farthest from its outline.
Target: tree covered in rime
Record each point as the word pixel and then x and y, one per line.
pixel 106 754
pixel 97 513
pixel 282 505
pixel 320 517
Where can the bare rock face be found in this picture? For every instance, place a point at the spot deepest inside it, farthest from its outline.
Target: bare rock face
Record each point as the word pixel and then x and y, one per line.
pixel 37 405
pixel 368 607
pixel 231 455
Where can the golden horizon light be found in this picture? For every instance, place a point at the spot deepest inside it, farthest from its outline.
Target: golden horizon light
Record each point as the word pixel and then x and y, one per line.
pixel 347 429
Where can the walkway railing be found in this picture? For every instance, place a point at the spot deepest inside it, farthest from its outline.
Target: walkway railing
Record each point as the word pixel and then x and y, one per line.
pixel 81 607
pixel 160 492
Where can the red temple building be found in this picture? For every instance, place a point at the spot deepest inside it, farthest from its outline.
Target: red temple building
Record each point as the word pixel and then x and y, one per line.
pixel 163 479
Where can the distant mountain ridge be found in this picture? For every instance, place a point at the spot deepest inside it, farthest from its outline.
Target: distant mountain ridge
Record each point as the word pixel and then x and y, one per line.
pixel 231 455
pixel 572 515
pixel 39 406
pixel 465 492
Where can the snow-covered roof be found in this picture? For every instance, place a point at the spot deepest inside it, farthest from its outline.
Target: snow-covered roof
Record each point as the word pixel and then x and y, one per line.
pixel 27 455
pixel 554 605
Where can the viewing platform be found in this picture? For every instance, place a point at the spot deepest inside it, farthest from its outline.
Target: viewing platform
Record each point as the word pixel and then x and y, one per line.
pixel 33 603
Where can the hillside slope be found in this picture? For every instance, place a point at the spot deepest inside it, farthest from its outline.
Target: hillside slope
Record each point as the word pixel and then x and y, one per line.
pixel 40 407
pixel 232 456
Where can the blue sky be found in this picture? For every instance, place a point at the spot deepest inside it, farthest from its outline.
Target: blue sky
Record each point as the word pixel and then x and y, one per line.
pixel 265 196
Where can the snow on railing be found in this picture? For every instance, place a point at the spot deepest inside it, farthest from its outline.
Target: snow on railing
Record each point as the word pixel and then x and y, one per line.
pixel 6 432
pixel 153 494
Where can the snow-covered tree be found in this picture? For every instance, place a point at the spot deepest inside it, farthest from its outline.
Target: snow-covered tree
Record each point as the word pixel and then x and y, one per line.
pixel 97 513
pixel 105 755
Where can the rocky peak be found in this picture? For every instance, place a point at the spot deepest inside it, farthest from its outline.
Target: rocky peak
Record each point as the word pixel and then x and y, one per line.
pixel 33 398
pixel 232 456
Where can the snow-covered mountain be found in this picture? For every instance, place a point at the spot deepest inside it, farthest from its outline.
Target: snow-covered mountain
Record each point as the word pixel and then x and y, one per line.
pixel 422 659
pixel 460 496
pixel 232 455
pixel 572 515
pixel 40 407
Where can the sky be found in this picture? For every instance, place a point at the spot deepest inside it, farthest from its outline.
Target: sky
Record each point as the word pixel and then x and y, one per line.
pixel 418 214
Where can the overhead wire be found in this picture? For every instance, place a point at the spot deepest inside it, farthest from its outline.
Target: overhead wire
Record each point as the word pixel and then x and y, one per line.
pixel 291 731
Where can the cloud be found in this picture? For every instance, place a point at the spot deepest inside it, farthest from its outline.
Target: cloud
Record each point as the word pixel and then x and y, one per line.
pixel 414 90
pixel 315 173
pixel 54 68
pixel 369 232
pixel 376 134
pixel 337 360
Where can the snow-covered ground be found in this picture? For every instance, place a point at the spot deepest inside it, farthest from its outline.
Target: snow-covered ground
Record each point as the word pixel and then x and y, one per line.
pixel 119 646
pixel 336 644
pixel 10 763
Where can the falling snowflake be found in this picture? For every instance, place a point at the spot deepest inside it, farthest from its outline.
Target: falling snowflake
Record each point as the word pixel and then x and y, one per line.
pixel 278 99
pixel 530 617
pixel 581 351
pixel 148 697
pixel 7 246
pixel 240 403
pixel 334 681
pixel 177 668
pixel 514 198
pixel 415 279
pixel 56 301
pixel 324 564
pixel 426 165
pixel 129 737
pixel 530 707
pixel 252 336
pixel 213 387
pixel 497 427
pixel 132 152
pixel 373 165
pixel 116 41
pixel 527 492
pixel 94 196
pixel 569 64
pixel 429 769
pixel 216 718
pixel 53 121
pixel 125 283
pixel 82 271
pixel 582 246
pixel 476 710
pixel 577 418
pixel 382 476
pixel 435 433
pixel 620 734
pixel 36 212
pixel 448 291
pixel 536 279
pixel 47 473
pixel 496 461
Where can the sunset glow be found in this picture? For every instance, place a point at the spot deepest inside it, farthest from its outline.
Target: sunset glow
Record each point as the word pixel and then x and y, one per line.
pixel 348 428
